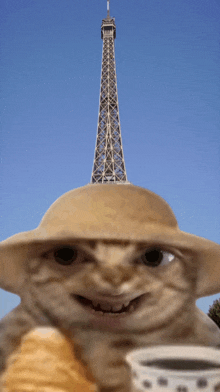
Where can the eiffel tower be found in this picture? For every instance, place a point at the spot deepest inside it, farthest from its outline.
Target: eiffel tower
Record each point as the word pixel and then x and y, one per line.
pixel 109 164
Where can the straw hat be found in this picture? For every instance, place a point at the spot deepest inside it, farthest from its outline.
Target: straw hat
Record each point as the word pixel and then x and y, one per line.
pixel 112 212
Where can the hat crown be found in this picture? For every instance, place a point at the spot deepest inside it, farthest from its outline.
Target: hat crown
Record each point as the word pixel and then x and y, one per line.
pixel 108 208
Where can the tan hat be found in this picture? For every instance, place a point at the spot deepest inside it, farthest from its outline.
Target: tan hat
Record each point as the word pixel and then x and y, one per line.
pixel 112 212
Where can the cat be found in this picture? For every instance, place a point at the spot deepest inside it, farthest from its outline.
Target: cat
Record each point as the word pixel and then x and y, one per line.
pixel 110 297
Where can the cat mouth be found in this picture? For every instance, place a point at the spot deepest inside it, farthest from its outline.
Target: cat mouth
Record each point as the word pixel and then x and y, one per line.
pixel 109 309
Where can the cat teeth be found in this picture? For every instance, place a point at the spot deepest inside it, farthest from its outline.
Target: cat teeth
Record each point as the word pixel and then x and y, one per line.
pixel 108 307
pixel 102 306
pixel 116 308
pixel 105 307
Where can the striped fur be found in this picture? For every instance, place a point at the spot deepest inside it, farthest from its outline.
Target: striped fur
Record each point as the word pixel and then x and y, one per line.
pixel 104 269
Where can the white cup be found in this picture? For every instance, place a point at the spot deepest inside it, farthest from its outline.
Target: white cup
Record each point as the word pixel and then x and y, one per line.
pixel 175 369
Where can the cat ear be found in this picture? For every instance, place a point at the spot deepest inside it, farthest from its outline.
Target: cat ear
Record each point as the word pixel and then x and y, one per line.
pixel 208 269
pixel 204 257
pixel 13 256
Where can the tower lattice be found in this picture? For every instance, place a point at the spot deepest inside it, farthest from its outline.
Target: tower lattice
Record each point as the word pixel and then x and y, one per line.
pixel 109 164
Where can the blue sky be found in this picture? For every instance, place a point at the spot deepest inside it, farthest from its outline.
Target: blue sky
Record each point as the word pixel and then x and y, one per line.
pixel 167 61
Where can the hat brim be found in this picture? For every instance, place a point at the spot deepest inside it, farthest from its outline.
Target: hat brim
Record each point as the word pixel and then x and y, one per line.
pixel 205 254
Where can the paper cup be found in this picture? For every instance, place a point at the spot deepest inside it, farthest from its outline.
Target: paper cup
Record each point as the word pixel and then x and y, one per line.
pixel 175 368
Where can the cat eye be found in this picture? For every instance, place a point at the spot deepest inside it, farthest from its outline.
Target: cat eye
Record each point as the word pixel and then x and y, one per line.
pixel 155 257
pixel 65 255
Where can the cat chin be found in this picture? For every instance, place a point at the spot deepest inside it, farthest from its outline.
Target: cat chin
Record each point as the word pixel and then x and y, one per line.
pixel 109 322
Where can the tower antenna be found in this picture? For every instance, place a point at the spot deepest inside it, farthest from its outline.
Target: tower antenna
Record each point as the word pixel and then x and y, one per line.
pixel 108 8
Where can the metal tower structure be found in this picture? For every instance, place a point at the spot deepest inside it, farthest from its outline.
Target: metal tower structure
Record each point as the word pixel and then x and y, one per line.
pixel 109 164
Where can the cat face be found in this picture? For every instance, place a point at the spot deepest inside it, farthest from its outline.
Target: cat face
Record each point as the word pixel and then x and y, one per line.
pixel 109 285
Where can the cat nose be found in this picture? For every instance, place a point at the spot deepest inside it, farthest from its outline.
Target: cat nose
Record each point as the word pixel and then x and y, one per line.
pixel 115 278
pixel 110 291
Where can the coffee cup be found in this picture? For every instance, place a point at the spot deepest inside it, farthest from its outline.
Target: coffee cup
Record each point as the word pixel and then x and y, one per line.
pixel 175 369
